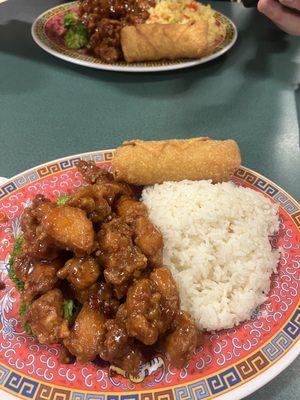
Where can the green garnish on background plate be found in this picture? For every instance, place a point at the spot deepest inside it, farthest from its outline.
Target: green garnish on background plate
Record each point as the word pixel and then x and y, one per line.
pixel 77 35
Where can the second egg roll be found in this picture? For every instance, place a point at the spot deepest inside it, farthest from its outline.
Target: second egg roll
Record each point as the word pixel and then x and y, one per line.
pixel 146 163
pixel 151 42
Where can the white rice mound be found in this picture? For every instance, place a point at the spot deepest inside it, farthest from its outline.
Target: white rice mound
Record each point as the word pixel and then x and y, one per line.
pixel 216 243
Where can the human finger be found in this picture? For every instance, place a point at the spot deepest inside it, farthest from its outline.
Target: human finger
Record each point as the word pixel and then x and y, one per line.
pixel 285 18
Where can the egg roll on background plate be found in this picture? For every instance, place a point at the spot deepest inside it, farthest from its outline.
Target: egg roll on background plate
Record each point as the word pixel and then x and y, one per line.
pixel 151 42
pixel 146 163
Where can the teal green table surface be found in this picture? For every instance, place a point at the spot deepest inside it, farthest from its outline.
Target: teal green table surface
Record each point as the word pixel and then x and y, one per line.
pixel 50 108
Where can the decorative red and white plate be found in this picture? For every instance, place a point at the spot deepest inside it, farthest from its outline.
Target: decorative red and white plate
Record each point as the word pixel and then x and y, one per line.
pixel 230 365
pixel 48 32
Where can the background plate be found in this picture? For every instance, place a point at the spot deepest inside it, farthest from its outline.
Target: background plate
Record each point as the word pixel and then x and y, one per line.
pixel 230 364
pixel 48 33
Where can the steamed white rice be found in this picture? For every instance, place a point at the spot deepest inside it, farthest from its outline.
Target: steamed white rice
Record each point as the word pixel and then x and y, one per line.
pixel 216 243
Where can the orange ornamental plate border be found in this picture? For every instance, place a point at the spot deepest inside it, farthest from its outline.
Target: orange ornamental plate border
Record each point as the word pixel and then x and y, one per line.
pixel 235 380
pixel 47 32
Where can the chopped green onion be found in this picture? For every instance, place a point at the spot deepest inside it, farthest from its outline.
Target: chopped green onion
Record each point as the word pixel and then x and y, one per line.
pixel 71 310
pixel 62 200
pixel 68 309
pixel 22 310
pixel 19 285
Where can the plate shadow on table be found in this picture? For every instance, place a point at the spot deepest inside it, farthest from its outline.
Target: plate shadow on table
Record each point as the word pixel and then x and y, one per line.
pixel 16 40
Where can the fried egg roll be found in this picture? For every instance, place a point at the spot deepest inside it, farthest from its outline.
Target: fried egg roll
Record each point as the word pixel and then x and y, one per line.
pixel 146 163
pixel 164 41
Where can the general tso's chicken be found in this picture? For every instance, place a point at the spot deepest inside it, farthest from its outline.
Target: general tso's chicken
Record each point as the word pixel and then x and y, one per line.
pixel 146 236
pixel 41 278
pixel 122 260
pixel 81 272
pixel 45 317
pixel 91 200
pixel 86 334
pixel 119 349
pixel 165 284
pixel 68 226
pixel 144 313
pixel 101 250
pixel 181 343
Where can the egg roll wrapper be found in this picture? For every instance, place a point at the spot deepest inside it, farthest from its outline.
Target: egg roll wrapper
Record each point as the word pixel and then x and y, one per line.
pixel 149 162
pixel 150 42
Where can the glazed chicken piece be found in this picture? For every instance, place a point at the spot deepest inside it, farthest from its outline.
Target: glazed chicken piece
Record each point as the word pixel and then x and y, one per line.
pixel 86 334
pixel 130 209
pixel 151 305
pixel 118 348
pixel 114 236
pixel 146 236
pixel 149 240
pixel 68 226
pixel 165 284
pixel 45 317
pixel 91 173
pixel 111 191
pixel 36 242
pixel 103 300
pixel 144 313
pixel 22 265
pixel 82 295
pixel 105 186
pixel 122 260
pixel 182 342
pixel 81 272
pixel 41 278
pixel 105 42
pixel 89 199
pixel 29 223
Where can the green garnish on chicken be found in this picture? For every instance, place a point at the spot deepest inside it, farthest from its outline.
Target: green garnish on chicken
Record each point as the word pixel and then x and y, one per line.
pixel 23 307
pixel 62 200
pixel 77 34
pixel 11 272
pixel 71 310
